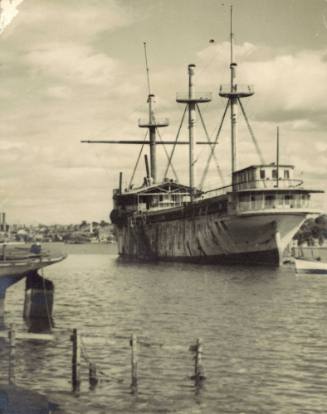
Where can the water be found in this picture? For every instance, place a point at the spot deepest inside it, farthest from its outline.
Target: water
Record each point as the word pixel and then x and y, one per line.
pixel 264 333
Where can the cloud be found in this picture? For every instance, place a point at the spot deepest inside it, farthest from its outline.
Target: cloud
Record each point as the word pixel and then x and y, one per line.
pixel 74 20
pixel 8 11
pixel 73 63
pixel 288 86
pixel 67 75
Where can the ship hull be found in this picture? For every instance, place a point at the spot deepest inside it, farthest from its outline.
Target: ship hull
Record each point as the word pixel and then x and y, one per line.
pixel 252 238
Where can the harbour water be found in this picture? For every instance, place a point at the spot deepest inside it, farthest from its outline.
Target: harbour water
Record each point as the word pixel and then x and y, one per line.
pixel 264 333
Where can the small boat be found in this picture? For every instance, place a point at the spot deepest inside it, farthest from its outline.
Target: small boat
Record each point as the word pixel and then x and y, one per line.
pixel 310 266
pixel 18 261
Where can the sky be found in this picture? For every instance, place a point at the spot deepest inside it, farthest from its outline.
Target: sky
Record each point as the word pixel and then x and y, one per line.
pixel 74 69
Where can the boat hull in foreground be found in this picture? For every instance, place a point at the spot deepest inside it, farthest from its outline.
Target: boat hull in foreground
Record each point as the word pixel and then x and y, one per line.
pixel 310 267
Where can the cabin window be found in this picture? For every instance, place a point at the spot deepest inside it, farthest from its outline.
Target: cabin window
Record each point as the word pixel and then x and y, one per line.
pixel 286 174
pixel 252 199
pixel 269 200
pixel 262 174
pixel 288 199
pixel 244 198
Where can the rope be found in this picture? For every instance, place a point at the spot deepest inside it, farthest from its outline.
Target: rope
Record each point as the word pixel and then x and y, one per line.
pixel 212 149
pixel 262 161
pixel 137 161
pixel 205 172
pixel 84 355
pixel 174 147
pixel 166 152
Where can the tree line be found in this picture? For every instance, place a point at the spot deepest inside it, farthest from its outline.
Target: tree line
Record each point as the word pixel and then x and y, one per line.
pixel 312 229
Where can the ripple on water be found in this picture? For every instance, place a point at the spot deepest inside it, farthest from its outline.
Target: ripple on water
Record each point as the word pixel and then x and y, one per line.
pixel 263 330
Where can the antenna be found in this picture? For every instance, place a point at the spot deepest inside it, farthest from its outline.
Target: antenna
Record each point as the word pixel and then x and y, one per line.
pixel 147 68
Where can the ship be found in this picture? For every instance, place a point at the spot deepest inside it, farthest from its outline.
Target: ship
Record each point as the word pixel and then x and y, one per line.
pixel 250 221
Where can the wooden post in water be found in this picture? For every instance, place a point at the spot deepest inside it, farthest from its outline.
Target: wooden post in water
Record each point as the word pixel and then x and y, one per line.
pixel 12 351
pixel 76 359
pixel 198 367
pixel 133 344
pixel 39 293
pixel 93 378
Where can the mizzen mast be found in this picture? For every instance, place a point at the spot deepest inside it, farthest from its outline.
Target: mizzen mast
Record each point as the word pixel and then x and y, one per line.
pixel 152 123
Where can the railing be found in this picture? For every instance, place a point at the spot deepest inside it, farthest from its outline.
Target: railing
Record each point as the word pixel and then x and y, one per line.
pixel 143 122
pixel 267 184
pixel 238 89
pixel 262 204
pixel 217 191
pixel 170 200
pixel 197 96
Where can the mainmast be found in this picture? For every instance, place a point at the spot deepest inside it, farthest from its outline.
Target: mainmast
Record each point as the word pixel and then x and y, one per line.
pixel 191 100
pixel 152 124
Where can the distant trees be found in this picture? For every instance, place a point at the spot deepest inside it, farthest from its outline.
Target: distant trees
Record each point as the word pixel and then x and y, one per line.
pixel 313 229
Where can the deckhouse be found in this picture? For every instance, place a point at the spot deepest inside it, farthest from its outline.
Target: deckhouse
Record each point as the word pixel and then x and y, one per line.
pixel 271 186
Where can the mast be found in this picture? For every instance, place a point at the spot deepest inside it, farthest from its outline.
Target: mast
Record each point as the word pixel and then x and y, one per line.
pixel 233 93
pixel 192 99
pixel 191 122
pixel 233 99
pixel 152 124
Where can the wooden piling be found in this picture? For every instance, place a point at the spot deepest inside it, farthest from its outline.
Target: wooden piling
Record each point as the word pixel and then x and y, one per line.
pixel 198 366
pixel 76 360
pixel 93 378
pixel 133 344
pixel 39 294
pixel 12 356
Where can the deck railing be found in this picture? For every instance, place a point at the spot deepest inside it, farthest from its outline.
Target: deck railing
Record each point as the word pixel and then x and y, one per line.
pixel 254 184
pixel 239 89
pixel 268 183
pixel 144 122
pixel 278 203
pixel 198 96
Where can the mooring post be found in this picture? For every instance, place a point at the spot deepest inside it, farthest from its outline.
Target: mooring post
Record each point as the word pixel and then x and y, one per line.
pixel 198 367
pixel 93 378
pixel 133 344
pixel 39 294
pixel 12 351
pixel 76 359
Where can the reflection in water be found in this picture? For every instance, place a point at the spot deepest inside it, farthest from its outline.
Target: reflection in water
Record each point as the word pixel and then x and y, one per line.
pixel 263 331
pixel 39 325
